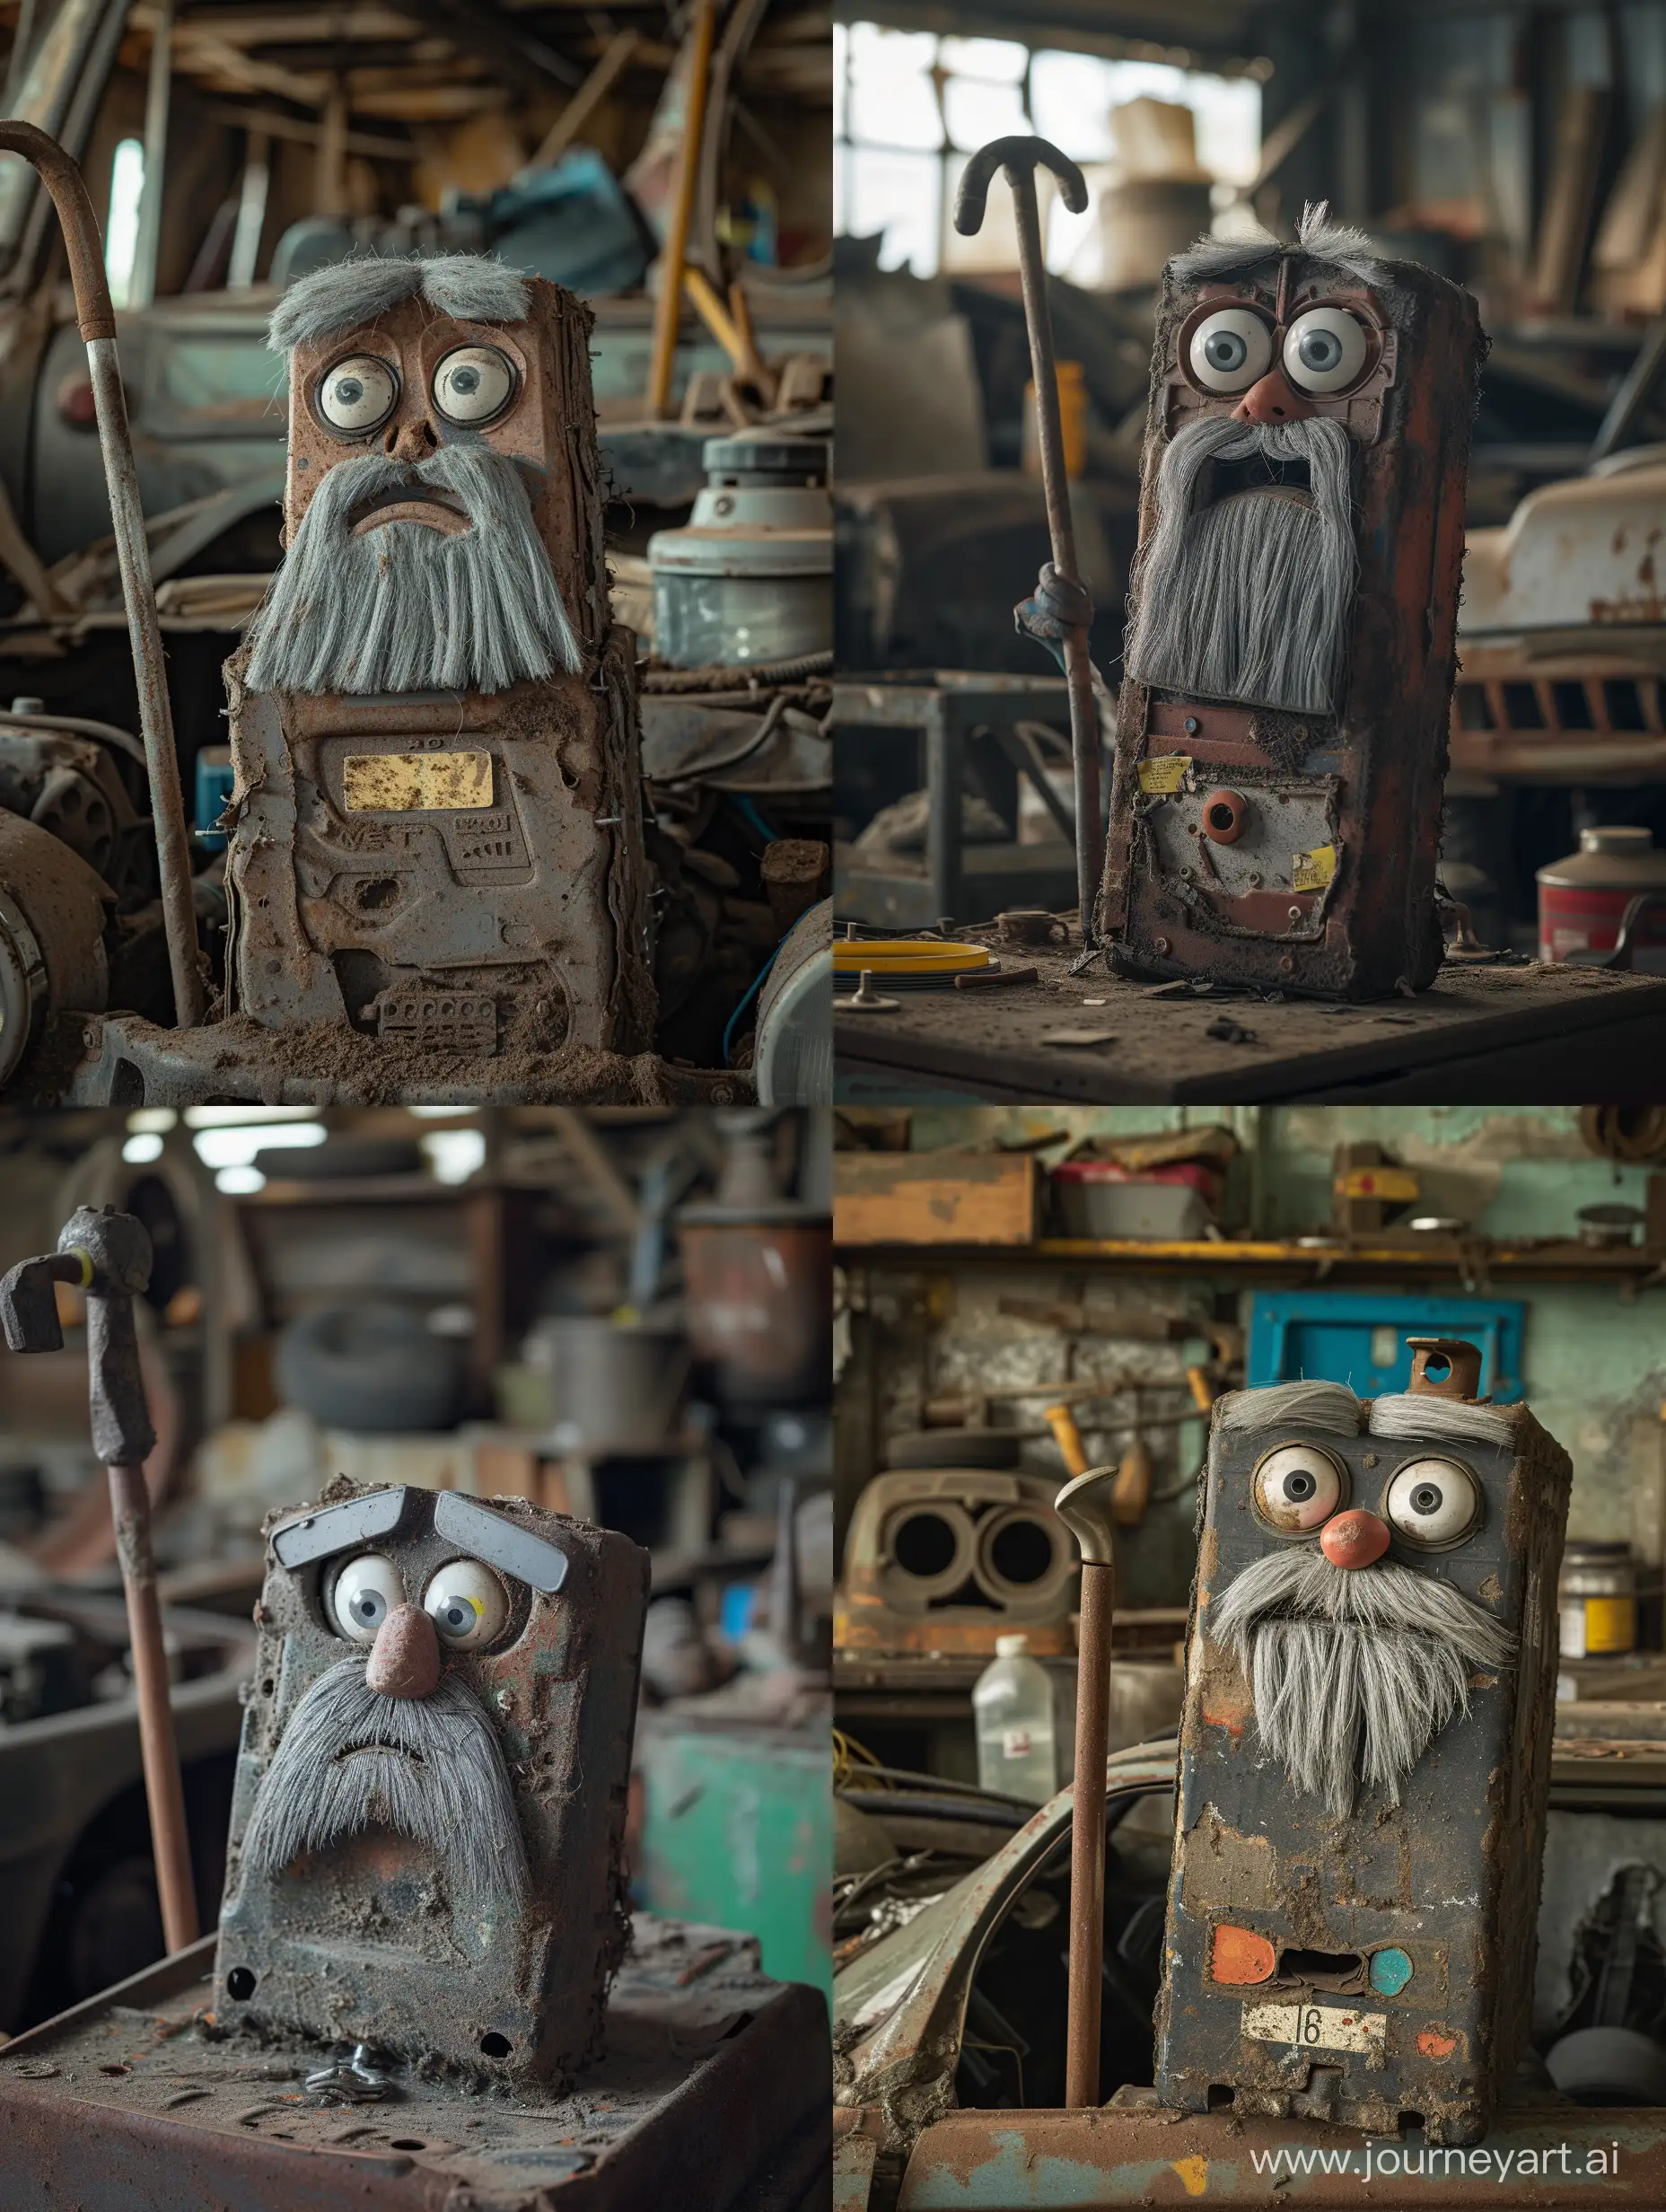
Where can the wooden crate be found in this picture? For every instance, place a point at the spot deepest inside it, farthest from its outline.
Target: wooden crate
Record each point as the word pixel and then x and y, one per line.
pixel 935 1197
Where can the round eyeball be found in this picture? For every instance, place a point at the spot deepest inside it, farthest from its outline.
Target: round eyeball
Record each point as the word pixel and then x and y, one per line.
pixel 366 1591
pixel 1230 349
pixel 1297 1488
pixel 1433 1502
pixel 1324 349
pixel 467 1604
pixel 473 384
pixel 357 395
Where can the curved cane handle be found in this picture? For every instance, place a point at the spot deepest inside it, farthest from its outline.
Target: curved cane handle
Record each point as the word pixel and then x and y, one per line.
pixel 1020 157
pixel 1083 1506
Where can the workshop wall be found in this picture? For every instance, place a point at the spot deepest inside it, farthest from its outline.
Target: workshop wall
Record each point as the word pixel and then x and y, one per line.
pixel 1594 1356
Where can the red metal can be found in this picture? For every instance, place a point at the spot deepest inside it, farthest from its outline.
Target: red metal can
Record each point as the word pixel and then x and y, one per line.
pixel 1582 898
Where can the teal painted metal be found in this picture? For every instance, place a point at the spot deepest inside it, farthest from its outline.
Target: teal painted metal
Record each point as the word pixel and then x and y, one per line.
pixel 738 1830
pixel 1331 1336
pixel 1391 1971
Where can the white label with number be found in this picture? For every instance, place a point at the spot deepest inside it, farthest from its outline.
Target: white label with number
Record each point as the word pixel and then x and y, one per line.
pixel 1015 1743
pixel 1316 2027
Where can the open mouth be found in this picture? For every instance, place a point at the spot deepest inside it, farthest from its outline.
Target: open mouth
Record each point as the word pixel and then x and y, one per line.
pixel 434 510
pixel 1258 474
pixel 355 1751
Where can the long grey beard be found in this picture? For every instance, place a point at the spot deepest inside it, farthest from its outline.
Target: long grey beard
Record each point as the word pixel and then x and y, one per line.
pixel 406 607
pixel 435 1774
pixel 1354 1671
pixel 1249 599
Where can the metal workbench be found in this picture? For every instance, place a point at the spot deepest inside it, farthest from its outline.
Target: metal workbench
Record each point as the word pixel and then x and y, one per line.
pixel 1482 1035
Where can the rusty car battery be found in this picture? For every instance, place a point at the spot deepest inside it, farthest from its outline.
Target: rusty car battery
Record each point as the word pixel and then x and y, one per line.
pixel 427 1823
pixel 713 2090
pixel 1369 1962
pixel 1295 849
pixel 459 871
pixel 948 1559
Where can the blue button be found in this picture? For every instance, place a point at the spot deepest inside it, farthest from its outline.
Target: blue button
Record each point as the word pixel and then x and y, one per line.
pixel 1391 1971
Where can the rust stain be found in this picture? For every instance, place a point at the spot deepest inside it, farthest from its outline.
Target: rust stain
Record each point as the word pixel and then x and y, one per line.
pixel 1233 1713
pixel 1434 2044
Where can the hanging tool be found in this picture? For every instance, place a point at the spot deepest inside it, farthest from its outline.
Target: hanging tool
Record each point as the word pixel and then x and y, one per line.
pixel 1084 1506
pixel 674 254
pixel 1068 1437
pixel 107 1255
pixel 97 321
pixel 1019 158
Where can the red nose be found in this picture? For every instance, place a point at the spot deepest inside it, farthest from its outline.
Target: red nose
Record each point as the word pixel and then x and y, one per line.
pixel 1272 401
pixel 405 1659
pixel 1354 1539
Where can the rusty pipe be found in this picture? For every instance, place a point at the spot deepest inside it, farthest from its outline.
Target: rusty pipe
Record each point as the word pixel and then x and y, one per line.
pixel 1019 158
pixel 159 1750
pixel 674 253
pixel 1084 1506
pixel 107 1256
pixel 97 321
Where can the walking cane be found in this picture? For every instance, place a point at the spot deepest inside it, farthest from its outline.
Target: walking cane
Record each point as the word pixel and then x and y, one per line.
pixel 97 323
pixel 1083 1505
pixel 1019 159
pixel 108 1255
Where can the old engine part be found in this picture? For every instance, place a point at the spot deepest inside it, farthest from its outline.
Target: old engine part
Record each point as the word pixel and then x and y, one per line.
pixel 63 775
pixel 947 1560
pixel 437 835
pixel 54 909
pixel 792 1049
pixel 751 576
pixel 1310 424
pixel 480 1663
pixel 1364 1754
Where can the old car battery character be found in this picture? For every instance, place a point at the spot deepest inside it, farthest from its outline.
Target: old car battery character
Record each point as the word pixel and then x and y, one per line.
pixel 1281 733
pixel 1364 1754
pixel 437 831
pixel 428 1825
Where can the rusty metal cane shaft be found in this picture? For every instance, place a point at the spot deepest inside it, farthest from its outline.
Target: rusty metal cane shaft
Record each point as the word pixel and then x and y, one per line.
pixel 96 317
pixel 1083 1505
pixel 1019 159
pixel 108 1256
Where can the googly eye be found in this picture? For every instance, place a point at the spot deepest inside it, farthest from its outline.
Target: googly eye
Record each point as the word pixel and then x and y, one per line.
pixel 366 1591
pixel 1297 1488
pixel 1230 349
pixel 473 384
pixel 1324 349
pixel 1433 1502
pixel 467 1604
pixel 357 395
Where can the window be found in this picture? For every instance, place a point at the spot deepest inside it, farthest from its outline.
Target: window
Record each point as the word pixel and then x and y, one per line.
pixel 909 106
pixel 121 232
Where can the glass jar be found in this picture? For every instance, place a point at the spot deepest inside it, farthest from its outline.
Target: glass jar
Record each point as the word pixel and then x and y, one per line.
pixel 1598 1597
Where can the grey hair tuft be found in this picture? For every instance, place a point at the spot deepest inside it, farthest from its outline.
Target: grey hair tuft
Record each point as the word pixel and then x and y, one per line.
pixel 406 607
pixel 345 294
pixel 1329 1405
pixel 1354 1671
pixel 1415 1414
pixel 1338 244
pixel 427 1768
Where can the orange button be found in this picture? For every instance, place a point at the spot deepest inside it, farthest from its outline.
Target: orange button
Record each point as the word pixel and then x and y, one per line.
pixel 1240 1955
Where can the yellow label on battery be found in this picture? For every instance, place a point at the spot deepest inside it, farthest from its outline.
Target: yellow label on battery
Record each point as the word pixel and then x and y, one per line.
pixel 413 782
pixel 1312 871
pixel 1610 1625
pixel 1164 773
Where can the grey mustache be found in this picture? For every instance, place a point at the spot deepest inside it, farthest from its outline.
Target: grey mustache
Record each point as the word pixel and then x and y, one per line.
pixel 427 1768
pixel 1354 1670
pixel 1247 599
pixel 406 607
